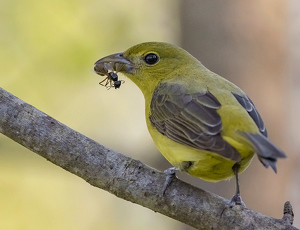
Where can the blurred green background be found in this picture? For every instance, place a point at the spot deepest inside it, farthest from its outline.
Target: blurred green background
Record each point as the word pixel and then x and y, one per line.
pixel 47 52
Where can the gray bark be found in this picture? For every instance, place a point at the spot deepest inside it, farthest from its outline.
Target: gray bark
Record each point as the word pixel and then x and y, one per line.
pixel 123 176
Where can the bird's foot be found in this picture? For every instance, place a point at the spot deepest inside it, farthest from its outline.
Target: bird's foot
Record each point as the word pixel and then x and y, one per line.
pixel 170 174
pixel 235 200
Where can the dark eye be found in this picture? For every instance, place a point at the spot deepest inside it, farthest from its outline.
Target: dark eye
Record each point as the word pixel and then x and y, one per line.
pixel 151 58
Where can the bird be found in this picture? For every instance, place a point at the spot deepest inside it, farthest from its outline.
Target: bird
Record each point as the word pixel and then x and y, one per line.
pixel 201 123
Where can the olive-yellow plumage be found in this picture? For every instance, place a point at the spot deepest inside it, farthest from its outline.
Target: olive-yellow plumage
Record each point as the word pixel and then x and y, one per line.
pixel 201 123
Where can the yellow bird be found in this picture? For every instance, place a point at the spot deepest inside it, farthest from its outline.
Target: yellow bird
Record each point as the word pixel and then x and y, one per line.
pixel 203 124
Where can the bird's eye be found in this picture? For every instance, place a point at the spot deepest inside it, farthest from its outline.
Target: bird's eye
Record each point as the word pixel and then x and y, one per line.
pixel 151 58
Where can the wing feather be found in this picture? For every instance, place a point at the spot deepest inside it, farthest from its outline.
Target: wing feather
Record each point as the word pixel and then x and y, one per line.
pixel 250 108
pixel 190 119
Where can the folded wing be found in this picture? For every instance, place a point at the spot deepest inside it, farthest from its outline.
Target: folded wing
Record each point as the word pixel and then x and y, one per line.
pixel 190 119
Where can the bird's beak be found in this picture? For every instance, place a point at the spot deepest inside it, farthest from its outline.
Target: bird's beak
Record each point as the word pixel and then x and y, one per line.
pixel 115 62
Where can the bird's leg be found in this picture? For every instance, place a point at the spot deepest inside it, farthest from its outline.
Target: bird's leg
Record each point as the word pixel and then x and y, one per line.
pixel 170 173
pixel 236 199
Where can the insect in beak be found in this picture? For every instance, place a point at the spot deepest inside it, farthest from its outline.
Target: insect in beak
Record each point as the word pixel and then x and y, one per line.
pixel 111 81
pixel 109 66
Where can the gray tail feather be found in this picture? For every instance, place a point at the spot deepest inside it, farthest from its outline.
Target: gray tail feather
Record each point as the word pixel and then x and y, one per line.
pixel 266 151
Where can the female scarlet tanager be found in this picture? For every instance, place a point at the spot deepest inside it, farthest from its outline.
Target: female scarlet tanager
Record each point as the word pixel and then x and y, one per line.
pixel 203 124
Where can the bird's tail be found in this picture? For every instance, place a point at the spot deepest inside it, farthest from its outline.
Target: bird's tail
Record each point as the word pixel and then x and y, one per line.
pixel 266 151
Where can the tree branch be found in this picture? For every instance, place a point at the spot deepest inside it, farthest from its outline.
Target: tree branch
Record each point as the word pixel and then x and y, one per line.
pixel 120 175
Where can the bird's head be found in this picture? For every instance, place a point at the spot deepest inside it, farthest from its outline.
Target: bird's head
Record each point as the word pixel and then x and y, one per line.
pixel 147 64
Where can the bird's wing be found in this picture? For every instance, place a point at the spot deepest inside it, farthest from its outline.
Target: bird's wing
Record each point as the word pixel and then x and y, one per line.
pixel 250 108
pixel 190 119
pixel 266 151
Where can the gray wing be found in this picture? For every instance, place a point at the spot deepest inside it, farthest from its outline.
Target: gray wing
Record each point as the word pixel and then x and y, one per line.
pixel 190 119
pixel 250 108
pixel 266 151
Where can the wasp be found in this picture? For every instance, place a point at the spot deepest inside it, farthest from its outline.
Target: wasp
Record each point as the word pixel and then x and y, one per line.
pixel 111 80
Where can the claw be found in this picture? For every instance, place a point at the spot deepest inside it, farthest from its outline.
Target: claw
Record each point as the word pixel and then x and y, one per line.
pixel 170 174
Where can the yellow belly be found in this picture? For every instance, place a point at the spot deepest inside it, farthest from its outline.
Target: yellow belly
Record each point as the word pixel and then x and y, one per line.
pixel 206 165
